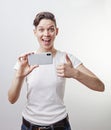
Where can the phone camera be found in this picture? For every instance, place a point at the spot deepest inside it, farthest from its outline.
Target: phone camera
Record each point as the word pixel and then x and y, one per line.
pixel 48 54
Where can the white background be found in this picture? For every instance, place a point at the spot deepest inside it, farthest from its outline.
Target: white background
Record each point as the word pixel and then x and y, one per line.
pixel 85 31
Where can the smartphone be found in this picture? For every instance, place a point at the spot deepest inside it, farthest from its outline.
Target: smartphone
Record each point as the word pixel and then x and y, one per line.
pixel 40 58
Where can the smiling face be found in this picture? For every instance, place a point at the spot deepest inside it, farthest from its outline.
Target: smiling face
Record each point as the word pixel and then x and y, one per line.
pixel 46 32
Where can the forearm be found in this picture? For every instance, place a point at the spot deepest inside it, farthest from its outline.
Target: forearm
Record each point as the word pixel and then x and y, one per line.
pixel 90 81
pixel 15 89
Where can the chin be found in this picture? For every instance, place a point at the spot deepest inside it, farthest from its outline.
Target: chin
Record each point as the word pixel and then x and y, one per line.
pixel 48 48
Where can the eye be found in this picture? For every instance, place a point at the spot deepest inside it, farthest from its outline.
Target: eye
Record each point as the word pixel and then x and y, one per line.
pixel 51 29
pixel 41 29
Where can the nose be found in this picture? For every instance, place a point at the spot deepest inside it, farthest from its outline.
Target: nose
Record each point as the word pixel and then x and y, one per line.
pixel 46 32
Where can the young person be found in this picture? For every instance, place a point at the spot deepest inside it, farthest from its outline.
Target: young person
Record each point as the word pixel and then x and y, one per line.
pixel 45 108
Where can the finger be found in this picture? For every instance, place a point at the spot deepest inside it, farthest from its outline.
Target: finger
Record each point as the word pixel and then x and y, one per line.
pixel 60 71
pixel 59 67
pixel 22 58
pixel 26 54
pixel 61 75
pixel 33 67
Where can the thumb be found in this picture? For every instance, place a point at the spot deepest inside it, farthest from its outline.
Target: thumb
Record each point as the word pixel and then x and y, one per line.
pixel 68 59
pixel 33 67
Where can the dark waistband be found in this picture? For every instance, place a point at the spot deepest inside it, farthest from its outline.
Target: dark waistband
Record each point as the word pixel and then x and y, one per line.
pixel 37 127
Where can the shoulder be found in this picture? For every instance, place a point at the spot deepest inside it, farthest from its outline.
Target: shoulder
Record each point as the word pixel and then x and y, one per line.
pixel 64 53
pixel 75 60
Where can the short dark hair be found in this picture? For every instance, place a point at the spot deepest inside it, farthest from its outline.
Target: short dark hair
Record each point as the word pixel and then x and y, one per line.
pixel 43 15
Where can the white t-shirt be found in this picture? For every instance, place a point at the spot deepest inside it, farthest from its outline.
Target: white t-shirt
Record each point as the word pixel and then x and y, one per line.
pixel 45 92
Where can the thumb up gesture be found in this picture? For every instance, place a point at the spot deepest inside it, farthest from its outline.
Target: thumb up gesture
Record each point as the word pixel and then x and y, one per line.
pixel 66 70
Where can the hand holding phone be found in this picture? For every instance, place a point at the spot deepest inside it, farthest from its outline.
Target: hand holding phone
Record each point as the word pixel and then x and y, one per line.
pixel 40 58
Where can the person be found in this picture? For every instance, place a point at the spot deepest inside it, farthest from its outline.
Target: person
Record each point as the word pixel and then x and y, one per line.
pixel 45 108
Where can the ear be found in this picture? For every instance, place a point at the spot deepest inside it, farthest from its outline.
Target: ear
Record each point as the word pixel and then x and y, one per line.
pixel 57 30
pixel 34 30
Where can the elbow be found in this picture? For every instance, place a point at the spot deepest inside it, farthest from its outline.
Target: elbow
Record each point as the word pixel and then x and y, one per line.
pixel 11 99
pixel 100 87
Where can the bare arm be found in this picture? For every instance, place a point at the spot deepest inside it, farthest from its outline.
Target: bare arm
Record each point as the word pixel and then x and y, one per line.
pixel 85 76
pixel 21 73
pixel 14 91
pixel 82 74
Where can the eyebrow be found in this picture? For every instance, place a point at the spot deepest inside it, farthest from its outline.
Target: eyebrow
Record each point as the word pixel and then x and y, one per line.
pixel 52 26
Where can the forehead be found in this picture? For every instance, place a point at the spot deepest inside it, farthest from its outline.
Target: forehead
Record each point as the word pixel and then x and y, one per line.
pixel 46 23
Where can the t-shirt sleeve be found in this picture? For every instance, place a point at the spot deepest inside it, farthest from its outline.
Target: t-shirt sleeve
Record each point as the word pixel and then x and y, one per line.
pixel 75 61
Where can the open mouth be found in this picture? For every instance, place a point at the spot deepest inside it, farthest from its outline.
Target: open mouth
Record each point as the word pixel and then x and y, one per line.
pixel 46 41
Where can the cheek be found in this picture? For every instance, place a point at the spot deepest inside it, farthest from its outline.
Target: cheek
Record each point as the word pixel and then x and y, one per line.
pixel 38 39
pixel 53 35
pixel 38 36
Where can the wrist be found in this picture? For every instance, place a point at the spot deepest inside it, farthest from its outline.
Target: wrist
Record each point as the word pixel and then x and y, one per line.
pixel 75 74
pixel 20 75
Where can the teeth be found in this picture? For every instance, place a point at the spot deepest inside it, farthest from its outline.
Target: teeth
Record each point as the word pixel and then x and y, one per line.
pixel 46 40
